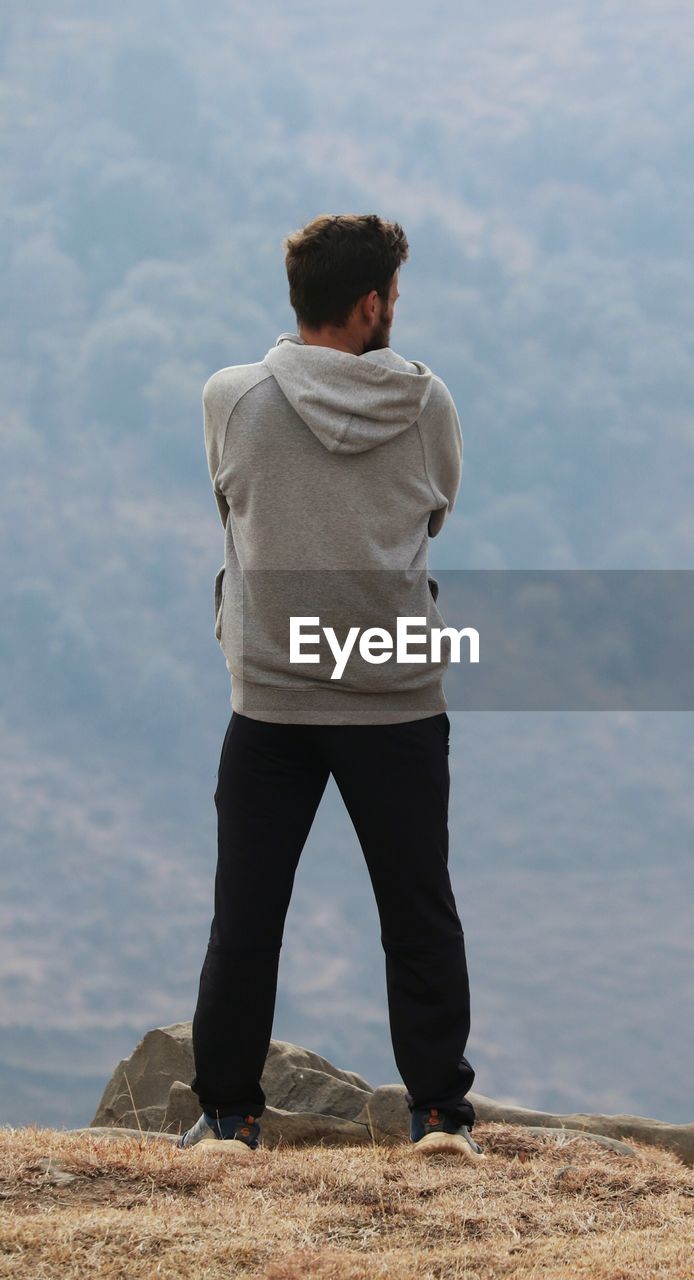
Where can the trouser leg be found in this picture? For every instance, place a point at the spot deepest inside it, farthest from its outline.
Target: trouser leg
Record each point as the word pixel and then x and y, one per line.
pixel 269 787
pixel 395 781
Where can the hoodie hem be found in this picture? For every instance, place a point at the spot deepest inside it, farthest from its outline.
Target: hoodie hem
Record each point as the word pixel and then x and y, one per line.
pixel 334 706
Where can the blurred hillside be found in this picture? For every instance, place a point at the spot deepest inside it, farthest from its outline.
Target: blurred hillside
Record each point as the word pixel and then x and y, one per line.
pixel 152 161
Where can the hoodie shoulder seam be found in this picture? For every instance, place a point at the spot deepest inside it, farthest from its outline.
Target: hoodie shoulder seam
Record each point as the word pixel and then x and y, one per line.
pixel 235 406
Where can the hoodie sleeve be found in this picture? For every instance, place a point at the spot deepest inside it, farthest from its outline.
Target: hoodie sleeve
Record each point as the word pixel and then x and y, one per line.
pixel 442 443
pixel 215 418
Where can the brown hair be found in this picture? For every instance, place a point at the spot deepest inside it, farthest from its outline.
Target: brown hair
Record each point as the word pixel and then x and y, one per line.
pixel 337 258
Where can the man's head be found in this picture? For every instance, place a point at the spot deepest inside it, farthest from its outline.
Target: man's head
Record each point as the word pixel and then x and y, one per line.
pixel 343 272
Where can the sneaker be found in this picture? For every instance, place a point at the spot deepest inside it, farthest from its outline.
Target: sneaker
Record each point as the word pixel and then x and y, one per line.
pixel 433 1130
pixel 243 1129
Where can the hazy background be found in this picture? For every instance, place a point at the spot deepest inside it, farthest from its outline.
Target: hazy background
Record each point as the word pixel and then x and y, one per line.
pixel 539 156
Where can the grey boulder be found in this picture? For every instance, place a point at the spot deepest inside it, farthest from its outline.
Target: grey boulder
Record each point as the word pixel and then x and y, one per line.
pixel 308 1099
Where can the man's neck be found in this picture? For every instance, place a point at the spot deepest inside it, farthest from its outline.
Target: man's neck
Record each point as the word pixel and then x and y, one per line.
pixel 338 340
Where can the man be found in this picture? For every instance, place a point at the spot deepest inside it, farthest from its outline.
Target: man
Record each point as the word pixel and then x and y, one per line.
pixel 333 460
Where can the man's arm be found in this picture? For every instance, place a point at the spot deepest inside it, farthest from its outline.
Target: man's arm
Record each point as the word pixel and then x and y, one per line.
pixel 442 442
pixel 215 418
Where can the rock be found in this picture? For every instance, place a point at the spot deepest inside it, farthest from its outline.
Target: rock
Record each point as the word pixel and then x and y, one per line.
pixel 162 1056
pixel 298 1128
pixel 277 1125
pixel 286 1128
pixel 311 1100
pixel 386 1114
pixel 182 1109
pixel 305 1089
pixel 678 1138
pixel 293 1079
pixel 285 1059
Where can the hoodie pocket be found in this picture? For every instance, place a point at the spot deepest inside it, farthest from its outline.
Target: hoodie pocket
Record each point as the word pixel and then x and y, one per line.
pixel 219 603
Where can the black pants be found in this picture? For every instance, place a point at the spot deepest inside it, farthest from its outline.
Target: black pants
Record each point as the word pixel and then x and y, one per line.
pixel 394 780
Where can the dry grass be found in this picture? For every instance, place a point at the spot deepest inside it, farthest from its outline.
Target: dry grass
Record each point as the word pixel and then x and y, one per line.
pixel 138 1208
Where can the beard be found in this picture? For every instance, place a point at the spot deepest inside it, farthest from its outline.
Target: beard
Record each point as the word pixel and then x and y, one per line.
pixel 380 336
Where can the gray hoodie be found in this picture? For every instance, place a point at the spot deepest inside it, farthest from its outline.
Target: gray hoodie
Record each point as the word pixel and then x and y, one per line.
pixel 330 472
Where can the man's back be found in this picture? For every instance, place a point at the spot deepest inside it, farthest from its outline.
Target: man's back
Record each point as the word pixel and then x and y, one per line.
pixel 322 460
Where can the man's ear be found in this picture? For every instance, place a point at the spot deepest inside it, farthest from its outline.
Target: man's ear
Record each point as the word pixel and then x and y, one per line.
pixel 370 303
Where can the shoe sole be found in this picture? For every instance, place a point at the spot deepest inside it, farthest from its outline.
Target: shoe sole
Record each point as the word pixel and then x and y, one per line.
pixel 432 1143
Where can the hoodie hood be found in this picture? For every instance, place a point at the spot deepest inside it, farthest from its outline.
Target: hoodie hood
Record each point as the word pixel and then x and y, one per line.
pixel 351 403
